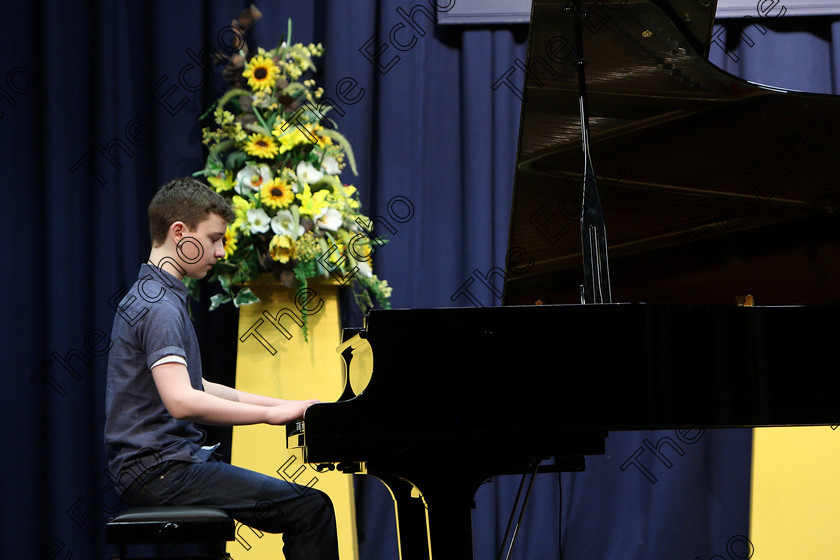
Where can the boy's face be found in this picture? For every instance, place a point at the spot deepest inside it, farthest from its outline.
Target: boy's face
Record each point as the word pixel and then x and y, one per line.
pixel 199 249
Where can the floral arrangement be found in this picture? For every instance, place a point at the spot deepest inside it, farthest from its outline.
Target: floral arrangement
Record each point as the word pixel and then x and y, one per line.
pixel 278 161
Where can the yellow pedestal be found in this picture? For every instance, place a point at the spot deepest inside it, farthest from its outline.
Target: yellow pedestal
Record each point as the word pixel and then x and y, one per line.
pixel 795 493
pixel 274 359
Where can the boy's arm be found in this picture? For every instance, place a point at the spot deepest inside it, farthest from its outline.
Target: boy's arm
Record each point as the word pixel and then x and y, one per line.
pixel 232 394
pixel 185 403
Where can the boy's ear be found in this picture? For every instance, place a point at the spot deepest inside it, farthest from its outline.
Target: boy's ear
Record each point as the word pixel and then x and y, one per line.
pixel 177 230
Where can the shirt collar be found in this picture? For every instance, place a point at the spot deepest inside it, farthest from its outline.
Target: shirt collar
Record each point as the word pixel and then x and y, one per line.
pixel 165 279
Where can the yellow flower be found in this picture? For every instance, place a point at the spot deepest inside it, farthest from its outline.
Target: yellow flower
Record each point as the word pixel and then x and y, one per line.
pixel 262 73
pixel 280 249
pixel 385 288
pixel 307 247
pixel 336 254
pixel 234 131
pixel 349 191
pixel 240 208
pixel 311 204
pixel 222 117
pixel 261 146
pixel 360 248
pixel 276 193
pixel 262 99
pixel 290 137
pixel 323 141
pixel 221 182
pixel 230 239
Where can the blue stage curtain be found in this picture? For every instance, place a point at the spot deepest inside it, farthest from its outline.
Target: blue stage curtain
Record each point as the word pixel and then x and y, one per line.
pixel 98 107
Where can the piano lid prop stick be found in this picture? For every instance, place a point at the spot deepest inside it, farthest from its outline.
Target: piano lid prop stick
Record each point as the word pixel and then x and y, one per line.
pixel 530 477
pixel 596 270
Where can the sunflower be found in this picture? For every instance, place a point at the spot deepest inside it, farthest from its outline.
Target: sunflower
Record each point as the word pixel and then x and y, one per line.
pixel 276 193
pixel 261 146
pixel 262 73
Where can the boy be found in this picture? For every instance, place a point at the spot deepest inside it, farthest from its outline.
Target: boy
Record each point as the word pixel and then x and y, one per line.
pixel 155 391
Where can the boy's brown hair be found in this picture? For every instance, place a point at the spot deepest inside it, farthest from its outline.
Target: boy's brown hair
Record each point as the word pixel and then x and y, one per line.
pixel 186 200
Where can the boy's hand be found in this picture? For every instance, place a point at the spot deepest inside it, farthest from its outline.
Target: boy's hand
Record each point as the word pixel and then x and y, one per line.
pixel 287 412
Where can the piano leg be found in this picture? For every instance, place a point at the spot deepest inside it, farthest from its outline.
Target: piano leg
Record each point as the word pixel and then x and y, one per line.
pixel 449 518
pixel 410 511
pixel 438 525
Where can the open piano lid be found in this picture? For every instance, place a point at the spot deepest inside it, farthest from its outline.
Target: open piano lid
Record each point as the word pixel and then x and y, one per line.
pixel 712 187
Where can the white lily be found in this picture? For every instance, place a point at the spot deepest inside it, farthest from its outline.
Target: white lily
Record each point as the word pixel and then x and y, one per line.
pixel 292 179
pixel 330 166
pixel 258 220
pixel 307 173
pixel 283 224
pixel 329 219
pixel 249 179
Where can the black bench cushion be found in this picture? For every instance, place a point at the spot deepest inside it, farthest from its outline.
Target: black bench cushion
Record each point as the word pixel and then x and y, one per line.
pixel 170 524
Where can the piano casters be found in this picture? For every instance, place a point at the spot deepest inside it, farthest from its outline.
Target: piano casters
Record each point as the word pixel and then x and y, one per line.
pixel 593 233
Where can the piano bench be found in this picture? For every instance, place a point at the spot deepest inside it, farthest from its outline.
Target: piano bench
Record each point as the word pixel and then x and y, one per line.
pixel 206 528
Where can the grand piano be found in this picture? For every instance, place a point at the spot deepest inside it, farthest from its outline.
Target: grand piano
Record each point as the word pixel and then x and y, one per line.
pixel 623 262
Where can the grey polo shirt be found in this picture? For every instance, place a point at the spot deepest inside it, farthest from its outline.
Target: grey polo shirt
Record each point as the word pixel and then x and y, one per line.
pixel 152 322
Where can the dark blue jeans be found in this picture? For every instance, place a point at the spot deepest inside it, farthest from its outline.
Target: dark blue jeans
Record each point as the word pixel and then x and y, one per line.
pixel 304 515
